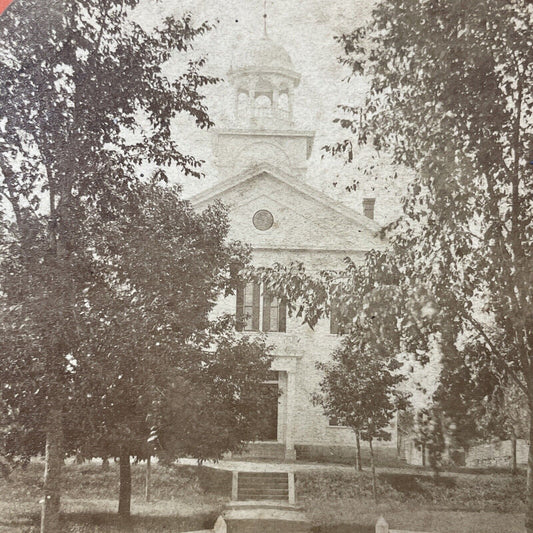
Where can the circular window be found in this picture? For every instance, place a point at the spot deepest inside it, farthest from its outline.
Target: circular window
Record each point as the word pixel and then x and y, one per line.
pixel 263 220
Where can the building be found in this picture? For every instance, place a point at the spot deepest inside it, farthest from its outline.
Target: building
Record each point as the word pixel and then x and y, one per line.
pixel 262 163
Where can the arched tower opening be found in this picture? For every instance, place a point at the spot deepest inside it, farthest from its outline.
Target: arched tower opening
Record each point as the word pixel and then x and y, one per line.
pixel 263 81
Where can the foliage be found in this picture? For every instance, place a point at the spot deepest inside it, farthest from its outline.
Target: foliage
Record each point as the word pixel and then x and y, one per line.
pixel 451 97
pixel 219 408
pixel 467 225
pixel 429 436
pixel 359 388
pixel 105 274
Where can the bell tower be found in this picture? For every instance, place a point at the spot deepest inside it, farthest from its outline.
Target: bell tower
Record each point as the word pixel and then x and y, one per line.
pixel 263 82
pixel 263 87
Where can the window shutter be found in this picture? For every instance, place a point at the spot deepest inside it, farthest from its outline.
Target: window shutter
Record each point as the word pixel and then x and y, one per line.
pixel 239 312
pixel 266 311
pixel 255 314
pixel 282 316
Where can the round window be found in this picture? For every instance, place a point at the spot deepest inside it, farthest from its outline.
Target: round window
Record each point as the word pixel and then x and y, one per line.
pixel 263 220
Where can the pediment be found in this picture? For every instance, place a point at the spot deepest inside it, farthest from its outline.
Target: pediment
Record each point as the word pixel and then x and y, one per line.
pixel 303 217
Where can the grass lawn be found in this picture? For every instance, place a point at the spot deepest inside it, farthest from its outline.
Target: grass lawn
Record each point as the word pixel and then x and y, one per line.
pixel 90 499
pixel 189 498
pixel 341 502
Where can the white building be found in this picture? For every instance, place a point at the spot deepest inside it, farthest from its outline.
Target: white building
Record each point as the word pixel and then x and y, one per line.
pixel 262 163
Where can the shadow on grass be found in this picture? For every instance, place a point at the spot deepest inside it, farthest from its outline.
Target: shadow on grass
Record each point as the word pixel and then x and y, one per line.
pixel 413 484
pixel 104 522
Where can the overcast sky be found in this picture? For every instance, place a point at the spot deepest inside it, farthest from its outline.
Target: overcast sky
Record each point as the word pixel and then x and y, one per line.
pixel 306 28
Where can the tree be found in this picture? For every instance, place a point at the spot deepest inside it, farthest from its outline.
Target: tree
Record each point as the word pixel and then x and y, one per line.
pixel 77 81
pixel 507 417
pixel 359 388
pixel 222 406
pixel 451 97
pixel 467 382
pixel 162 267
pixel 429 437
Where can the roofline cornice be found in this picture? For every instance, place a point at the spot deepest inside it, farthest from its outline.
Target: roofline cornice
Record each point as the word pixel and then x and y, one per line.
pixel 264 133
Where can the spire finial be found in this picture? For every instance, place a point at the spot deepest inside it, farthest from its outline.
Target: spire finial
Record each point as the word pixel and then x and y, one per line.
pixel 265 18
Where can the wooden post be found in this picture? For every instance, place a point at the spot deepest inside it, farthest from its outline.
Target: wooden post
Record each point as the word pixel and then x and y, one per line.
pixel 148 479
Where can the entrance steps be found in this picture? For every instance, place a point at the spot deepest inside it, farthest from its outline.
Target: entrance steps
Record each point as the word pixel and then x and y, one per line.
pixel 263 502
pixel 263 486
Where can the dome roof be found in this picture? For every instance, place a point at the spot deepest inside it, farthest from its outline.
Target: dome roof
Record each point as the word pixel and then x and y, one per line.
pixel 264 54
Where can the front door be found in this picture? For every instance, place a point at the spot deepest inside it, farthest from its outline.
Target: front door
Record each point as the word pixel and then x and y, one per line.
pixel 268 425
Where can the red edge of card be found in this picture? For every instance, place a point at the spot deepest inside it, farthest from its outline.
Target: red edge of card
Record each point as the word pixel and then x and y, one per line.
pixel 4 4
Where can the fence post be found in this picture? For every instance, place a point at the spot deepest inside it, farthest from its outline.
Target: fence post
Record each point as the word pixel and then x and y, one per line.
pixel 382 526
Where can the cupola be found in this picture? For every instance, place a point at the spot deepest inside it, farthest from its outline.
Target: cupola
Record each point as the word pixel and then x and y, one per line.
pixel 263 80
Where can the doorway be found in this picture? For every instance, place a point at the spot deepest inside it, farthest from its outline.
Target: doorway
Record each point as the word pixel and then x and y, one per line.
pixel 268 425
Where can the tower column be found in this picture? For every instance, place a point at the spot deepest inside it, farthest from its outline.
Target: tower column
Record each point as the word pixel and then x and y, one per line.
pixel 236 104
pixel 275 102
pixel 251 104
pixel 290 451
pixel 290 96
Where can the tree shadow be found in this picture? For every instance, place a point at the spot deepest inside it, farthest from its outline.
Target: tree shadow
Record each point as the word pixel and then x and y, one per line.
pixel 109 522
pixel 415 484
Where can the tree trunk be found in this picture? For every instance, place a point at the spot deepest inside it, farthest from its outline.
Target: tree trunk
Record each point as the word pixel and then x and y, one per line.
pixel 148 479
pixel 105 464
pixel 124 500
pixel 373 467
pixel 529 508
pixel 423 455
pixel 514 468
pixel 52 473
pixel 358 464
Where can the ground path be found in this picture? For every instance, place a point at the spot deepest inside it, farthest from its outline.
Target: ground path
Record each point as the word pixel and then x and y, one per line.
pixel 275 466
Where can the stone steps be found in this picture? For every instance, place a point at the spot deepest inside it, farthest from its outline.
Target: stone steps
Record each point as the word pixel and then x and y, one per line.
pixel 257 486
pixel 264 517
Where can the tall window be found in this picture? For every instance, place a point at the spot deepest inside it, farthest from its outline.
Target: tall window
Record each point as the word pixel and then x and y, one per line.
pixel 248 307
pixel 272 315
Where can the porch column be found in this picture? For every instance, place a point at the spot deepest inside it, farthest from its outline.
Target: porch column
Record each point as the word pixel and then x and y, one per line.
pixel 290 452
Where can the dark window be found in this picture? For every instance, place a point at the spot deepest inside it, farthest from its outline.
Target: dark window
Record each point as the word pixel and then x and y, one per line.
pixel 248 307
pixel 274 314
pixel 335 421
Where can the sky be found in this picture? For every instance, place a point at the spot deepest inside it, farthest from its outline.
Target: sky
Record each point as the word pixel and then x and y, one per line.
pixel 306 29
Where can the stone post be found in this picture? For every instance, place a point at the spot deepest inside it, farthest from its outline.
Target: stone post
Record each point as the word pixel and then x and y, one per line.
pixel 382 526
pixel 292 489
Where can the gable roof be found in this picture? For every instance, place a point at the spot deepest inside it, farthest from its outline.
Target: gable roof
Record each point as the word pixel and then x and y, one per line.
pixel 220 188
